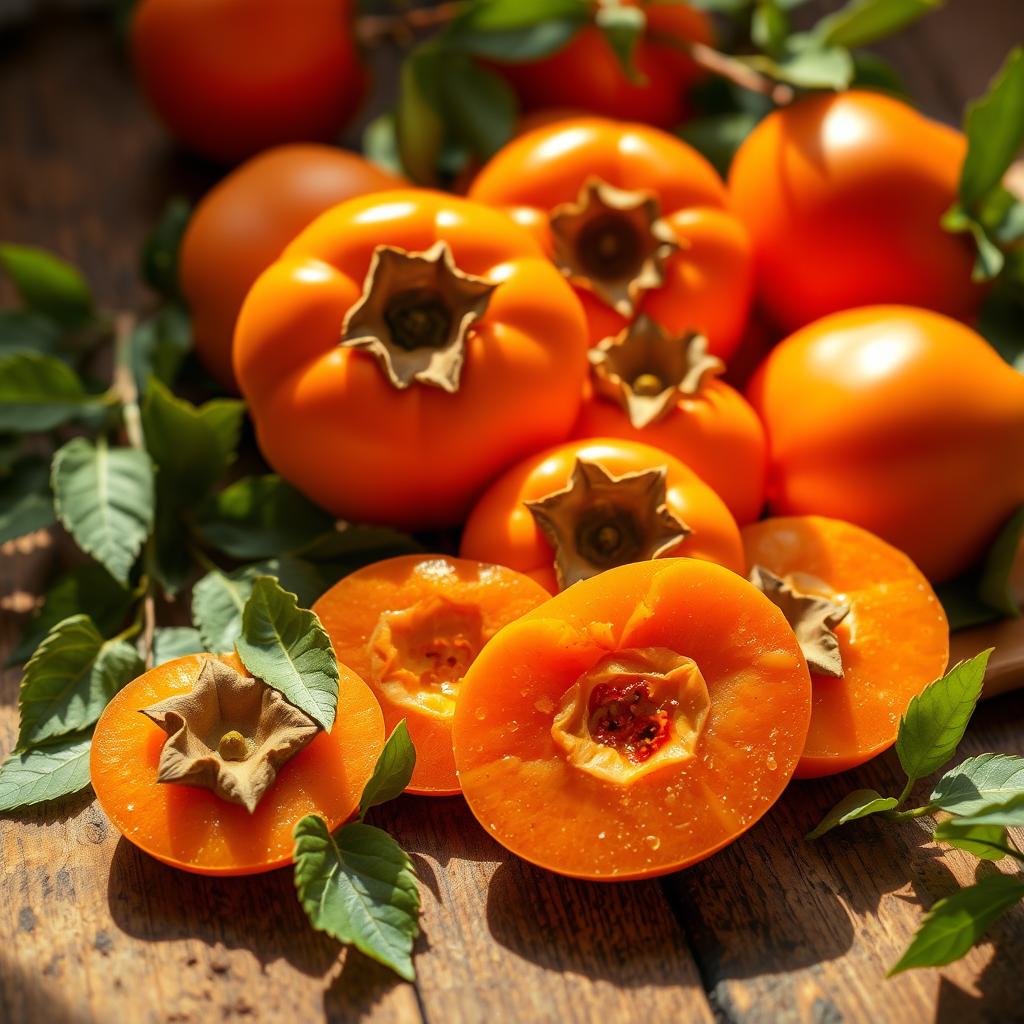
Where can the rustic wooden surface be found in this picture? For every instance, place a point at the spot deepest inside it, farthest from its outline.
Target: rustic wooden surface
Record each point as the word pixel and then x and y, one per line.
pixel 771 929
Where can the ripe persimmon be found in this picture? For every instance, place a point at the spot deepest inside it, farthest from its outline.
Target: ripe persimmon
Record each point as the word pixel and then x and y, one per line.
pixel 411 626
pixel 389 354
pixel 636 219
pixel 192 828
pixel 580 508
pixel 635 723
pixel 872 630
pixel 899 420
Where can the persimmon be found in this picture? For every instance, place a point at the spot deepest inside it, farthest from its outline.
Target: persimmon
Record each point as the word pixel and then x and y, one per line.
pixel 411 626
pixel 389 354
pixel 198 830
pixel 636 219
pixel 872 630
pixel 241 225
pixel 843 195
pixel 900 420
pixel 580 508
pixel 646 385
pixel 232 77
pixel 586 74
pixel 635 723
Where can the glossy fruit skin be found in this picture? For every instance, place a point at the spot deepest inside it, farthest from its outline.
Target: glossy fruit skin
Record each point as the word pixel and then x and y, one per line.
pixel 899 420
pixel 893 643
pixel 501 528
pixel 709 280
pixel 587 75
pixel 843 194
pixel 232 77
pixel 328 419
pixel 528 797
pixel 350 612
pixel 241 225
pixel 715 432
pixel 190 827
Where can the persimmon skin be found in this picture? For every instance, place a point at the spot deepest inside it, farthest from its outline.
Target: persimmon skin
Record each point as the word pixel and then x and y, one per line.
pixel 708 281
pixel 899 420
pixel 351 609
pixel 191 828
pixel 843 194
pixel 526 795
pixel 893 643
pixel 328 419
pixel 502 529
pixel 715 432
pixel 232 77
pixel 241 225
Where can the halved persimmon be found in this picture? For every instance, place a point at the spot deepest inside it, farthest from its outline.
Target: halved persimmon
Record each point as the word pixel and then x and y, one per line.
pixel 635 723
pixel 411 627
pixel 192 828
pixel 889 634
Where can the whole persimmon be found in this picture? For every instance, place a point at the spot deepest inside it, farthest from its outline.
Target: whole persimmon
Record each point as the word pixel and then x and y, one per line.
pixel 636 219
pixel 578 509
pixel 405 349
pixel 586 73
pixel 635 723
pixel 241 225
pixel 900 420
pixel 843 195
pixel 232 77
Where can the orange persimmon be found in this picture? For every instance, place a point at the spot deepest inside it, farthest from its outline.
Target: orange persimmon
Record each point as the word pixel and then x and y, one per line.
pixel 634 724
pixel 411 627
pixel 192 828
pixel 574 510
pixel 890 643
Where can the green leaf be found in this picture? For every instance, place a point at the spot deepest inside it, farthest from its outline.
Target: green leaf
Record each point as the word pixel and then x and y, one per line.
pixel 47 284
pixel 863 22
pixel 936 718
pixel 22 331
pixel 957 922
pixel 858 804
pixel 160 345
pixel 975 784
pixel 995 587
pixel 392 772
pixel 718 136
pixel 811 65
pixel 769 27
pixel 39 392
pixel 287 648
pixel 478 105
pixel 46 772
pixel 985 841
pixel 340 551
pixel 380 143
pixel 419 129
pixel 873 72
pixel 170 642
pixel 70 679
pixel 160 250
pixel 516 31
pixel 104 499
pixel 1006 813
pixel 360 887
pixel 26 503
pixel 1001 322
pixel 623 27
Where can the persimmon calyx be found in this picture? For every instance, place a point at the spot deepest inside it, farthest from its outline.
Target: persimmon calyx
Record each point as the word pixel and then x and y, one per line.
pixel 415 314
pixel 613 242
pixel 598 521
pixel 230 734
pixel 635 711
pixel 813 618
pixel 646 370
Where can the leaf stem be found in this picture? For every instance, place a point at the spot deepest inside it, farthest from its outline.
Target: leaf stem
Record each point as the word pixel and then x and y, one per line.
pixel 914 812
pixel 906 791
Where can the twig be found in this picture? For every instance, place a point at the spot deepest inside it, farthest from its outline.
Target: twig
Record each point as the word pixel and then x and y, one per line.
pixel 371 28
pixel 736 71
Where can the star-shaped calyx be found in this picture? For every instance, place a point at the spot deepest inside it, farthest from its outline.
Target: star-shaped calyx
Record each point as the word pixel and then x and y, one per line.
pixel 414 314
pixel 230 734
pixel 646 370
pixel 813 618
pixel 598 521
pixel 613 242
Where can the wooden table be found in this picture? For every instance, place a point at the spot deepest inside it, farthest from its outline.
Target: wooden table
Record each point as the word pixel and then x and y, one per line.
pixel 771 929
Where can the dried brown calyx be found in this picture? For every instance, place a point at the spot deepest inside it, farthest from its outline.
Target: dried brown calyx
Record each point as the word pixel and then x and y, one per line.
pixel 613 242
pixel 598 521
pixel 230 734
pixel 414 315
pixel 813 617
pixel 646 370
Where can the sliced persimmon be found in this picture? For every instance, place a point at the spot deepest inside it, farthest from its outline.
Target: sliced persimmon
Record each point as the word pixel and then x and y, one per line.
pixel 411 627
pixel 635 723
pixel 893 638
pixel 192 828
